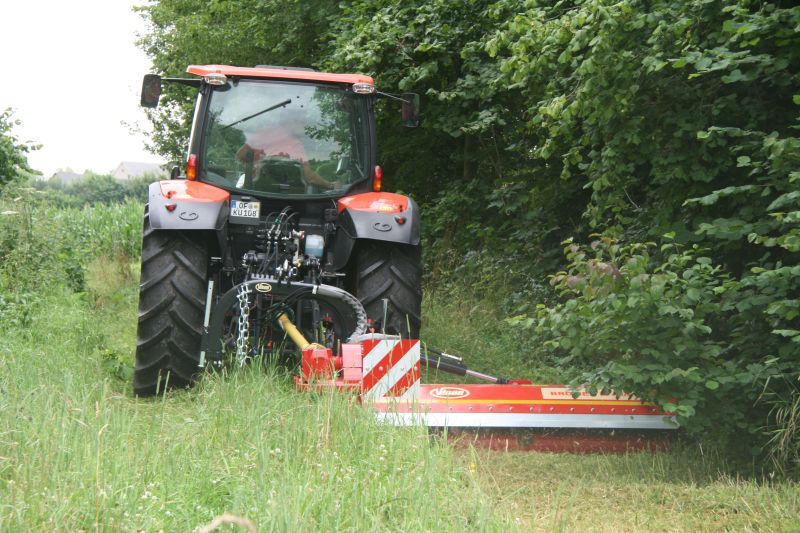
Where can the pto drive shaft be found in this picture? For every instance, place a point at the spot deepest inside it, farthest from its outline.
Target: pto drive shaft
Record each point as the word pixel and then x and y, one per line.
pixel 294 333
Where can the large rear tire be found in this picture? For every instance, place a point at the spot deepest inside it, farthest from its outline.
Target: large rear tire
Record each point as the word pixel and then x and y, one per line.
pixel 171 309
pixel 390 271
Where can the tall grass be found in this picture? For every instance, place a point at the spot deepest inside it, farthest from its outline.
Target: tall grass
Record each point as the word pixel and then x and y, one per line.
pixel 42 246
pixel 80 453
pixel 476 331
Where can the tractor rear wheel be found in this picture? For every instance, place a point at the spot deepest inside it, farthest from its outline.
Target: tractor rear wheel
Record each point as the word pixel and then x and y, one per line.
pixel 394 272
pixel 171 309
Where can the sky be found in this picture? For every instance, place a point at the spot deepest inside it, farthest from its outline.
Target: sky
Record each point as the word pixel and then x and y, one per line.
pixel 75 76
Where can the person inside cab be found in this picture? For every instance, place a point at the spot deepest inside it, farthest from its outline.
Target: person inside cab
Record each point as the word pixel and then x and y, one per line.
pixel 279 156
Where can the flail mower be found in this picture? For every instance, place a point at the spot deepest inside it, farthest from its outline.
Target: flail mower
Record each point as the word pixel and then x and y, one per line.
pixel 280 229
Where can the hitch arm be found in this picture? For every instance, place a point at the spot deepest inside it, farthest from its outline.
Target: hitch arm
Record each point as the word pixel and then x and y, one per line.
pixel 454 367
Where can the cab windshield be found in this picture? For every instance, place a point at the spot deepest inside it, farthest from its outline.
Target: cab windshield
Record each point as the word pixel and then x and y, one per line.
pixel 285 139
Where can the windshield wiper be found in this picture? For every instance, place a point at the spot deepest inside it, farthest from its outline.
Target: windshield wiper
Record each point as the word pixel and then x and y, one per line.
pixel 254 115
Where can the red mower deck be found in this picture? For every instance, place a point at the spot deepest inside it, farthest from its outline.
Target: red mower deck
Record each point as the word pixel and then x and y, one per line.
pixel 385 372
pixel 518 406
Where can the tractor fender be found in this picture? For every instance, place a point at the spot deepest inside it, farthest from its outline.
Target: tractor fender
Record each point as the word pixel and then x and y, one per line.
pixel 383 216
pixel 188 205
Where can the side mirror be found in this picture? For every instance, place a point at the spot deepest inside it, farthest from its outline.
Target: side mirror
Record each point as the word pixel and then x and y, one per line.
pixel 410 110
pixel 151 90
pixel 343 165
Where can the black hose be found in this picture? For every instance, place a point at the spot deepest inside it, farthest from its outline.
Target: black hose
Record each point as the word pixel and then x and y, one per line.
pixel 344 303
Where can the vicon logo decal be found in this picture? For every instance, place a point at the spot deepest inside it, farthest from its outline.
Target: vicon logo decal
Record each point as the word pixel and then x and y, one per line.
pixel 449 393
pixel 264 287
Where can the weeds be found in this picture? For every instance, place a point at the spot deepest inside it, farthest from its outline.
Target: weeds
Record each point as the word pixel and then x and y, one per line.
pixel 784 442
pixel 476 331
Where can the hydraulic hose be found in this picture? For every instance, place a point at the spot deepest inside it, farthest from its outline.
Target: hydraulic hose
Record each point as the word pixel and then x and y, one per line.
pixel 330 293
pixel 344 304
pixel 454 367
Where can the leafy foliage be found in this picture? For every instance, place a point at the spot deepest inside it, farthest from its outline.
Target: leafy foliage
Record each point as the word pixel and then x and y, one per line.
pixel 13 161
pixel 670 325
pixel 678 118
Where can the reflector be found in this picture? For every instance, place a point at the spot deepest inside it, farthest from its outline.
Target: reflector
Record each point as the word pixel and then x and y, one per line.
pixel 377 179
pixel 191 167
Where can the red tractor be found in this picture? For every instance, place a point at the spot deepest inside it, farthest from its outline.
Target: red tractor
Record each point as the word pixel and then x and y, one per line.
pixel 280 214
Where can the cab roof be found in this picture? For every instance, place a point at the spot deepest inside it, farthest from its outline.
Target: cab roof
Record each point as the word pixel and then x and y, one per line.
pixel 283 74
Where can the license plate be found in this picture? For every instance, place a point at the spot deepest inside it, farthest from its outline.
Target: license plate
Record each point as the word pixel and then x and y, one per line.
pixel 245 209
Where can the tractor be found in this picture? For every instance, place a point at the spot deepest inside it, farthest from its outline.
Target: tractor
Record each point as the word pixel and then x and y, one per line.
pixel 279 216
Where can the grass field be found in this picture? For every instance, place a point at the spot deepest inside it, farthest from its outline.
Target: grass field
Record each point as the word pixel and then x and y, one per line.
pixel 79 453
pixel 676 491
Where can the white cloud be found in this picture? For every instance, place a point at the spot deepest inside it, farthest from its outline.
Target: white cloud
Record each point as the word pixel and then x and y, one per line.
pixel 73 73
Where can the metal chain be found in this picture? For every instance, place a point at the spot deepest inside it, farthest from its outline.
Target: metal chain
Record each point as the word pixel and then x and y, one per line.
pixel 244 323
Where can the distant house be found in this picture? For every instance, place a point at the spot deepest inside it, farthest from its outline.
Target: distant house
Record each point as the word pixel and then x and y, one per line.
pixel 65 177
pixel 128 169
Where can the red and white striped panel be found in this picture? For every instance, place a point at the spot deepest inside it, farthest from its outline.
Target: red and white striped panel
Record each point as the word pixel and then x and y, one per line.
pixel 390 369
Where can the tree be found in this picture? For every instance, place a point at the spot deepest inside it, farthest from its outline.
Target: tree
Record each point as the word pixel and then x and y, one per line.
pixel 680 119
pixel 13 161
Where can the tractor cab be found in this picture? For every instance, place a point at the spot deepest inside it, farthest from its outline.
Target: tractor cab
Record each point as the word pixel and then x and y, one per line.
pixel 286 138
pixel 282 133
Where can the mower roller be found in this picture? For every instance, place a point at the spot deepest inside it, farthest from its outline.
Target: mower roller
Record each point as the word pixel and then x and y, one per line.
pixel 279 229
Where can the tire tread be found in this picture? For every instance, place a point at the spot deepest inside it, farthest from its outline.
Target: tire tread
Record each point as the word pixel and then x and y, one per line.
pixel 171 305
pixel 392 271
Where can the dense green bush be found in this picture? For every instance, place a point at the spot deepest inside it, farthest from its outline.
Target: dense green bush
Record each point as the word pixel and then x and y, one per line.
pixel 678 117
pixel 672 326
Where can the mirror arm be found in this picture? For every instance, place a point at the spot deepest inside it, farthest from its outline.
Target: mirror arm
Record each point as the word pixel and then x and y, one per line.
pixel 191 82
pixel 393 97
